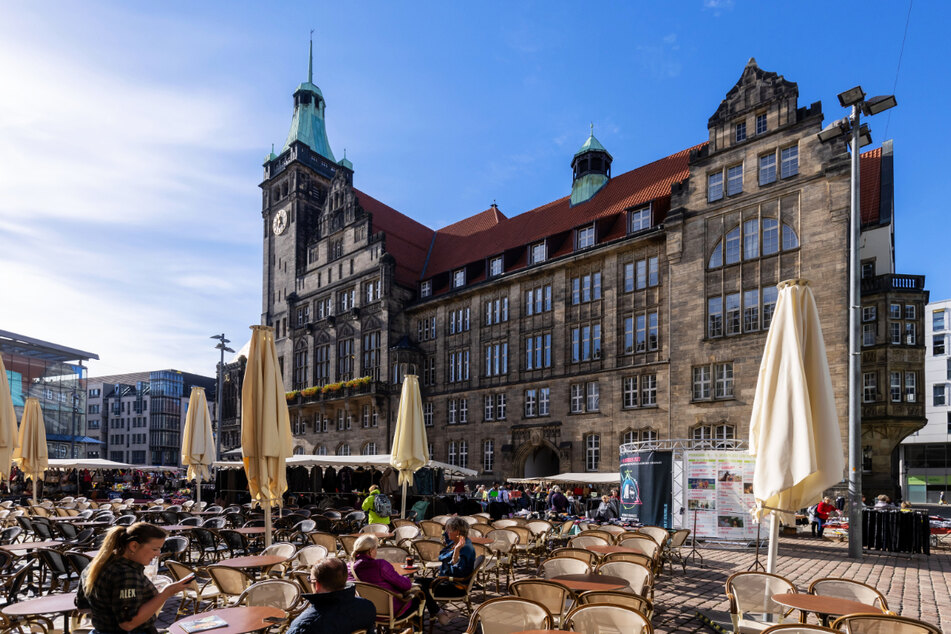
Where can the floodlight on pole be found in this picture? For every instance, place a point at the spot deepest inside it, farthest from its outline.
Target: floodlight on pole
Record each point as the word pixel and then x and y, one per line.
pixel 861 136
pixel 223 347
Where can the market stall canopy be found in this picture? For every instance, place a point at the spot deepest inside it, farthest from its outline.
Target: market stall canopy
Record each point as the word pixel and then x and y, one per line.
pixel 380 461
pixel 572 478
pixel 89 463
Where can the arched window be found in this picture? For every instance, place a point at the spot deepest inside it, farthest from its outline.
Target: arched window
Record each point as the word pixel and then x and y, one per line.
pixel 790 239
pixel 629 436
pixel 715 436
pixel 298 451
pixel 716 258
pixel 320 451
pixel 592 457
pixel 368 449
pixel 733 246
pixel 770 236
pixel 343 450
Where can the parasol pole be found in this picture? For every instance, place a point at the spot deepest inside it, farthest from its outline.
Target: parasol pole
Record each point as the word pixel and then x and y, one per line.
pixel 34 491
pixel 403 502
pixel 267 524
pixel 198 489
pixel 772 552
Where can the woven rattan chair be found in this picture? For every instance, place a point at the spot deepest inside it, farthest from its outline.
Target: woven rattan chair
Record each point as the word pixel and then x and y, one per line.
pixel 431 529
pixel 327 540
pixel 637 558
pixel 467 582
pixel 657 533
pixel 798 628
pixel 196 592
pixel 615 597
pixel 428 552
pixel 555 597
pixel 558 566
pixel 601 617
pixel 231 582
pixel 640 578
pixel 276 593
pixel 750 593
pixel 848 589
pixel 386 616
pixel 503 546
pixel 392 554
pixel 583 541
pixel 586 556
pixel 504 615
pixel 403 535
pixel 307 556
pixel 882 624
pixel 674 549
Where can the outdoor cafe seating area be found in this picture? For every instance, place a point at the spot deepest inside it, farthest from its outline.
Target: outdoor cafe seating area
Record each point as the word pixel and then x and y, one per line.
pixel 531 575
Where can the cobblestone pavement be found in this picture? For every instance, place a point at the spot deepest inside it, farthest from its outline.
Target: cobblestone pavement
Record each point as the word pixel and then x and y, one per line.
pixel 914 585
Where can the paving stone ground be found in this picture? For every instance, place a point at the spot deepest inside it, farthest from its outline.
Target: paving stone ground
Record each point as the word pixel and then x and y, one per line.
pixel 918 586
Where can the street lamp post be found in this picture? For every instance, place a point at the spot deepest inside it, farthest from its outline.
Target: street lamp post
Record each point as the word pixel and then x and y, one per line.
pixel 860 136
pixel 223 347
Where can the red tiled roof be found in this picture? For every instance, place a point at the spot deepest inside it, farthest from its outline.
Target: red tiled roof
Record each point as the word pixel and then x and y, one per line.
pixel 870 185
pixel 490 232
pixel 406 240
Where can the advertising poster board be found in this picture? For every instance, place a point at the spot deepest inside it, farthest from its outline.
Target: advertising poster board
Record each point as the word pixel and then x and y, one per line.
pixel 647 487
pixel 719 488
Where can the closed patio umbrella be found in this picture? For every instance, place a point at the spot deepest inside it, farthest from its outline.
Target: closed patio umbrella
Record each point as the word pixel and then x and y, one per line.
pixel 198 443
pixel 265 425
pixel 794 428
pixel 32 455
pixel 410 446
pixel 8 425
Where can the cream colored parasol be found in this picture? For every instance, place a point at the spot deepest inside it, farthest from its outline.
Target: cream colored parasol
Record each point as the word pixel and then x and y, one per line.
pixel 198 442
pixel 9 440
pixel 32 455
pixel 410 446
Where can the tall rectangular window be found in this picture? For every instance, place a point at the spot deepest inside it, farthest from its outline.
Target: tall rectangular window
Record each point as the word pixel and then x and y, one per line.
pixel 868 334
pixel 701 383
pixel 937 320
pixel 910 333
pixel 733 314
pixel 761 123
pixel 734 180
pixel 500 406
pixel 724 380
pixel 653 275
pixel 641 275
pixel 751 239
pixel 641 334
pixel 593 452
pixel 714 187
pixel 629 390
pixel 458 366
pixel 586 288
pixel 895 386
pixel 496 359
pixel 869 380
pixel 767 168
pixel 594 396
pixel 628 277
pixel 653 335
pixel 488 455
pixel 789 158
pixel 911 387
pixel 628 335
pixel 715 317
pixel 585 343
pixel 371 354
pixel 648 390
pixel 751 310
pixel 894 332
pixel 453 411
pixel 459 278
pixel 531 403
pixel 345 360
pixel 539 252
pixel 489 411
pixel 939 395
pixel 495 266
pixel 577 398
pixel 538 300
pixel 770 236
pixel 740 131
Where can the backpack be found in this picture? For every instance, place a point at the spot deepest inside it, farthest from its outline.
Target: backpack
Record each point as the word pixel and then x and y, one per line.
pixel 382 505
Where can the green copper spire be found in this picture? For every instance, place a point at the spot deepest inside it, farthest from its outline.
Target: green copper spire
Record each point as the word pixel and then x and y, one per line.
pixel 591 169
pixel 308 125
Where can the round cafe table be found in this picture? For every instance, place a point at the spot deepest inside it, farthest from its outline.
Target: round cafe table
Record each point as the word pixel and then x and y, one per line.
pixel 34 545
pixel 822 605
pixel 253 561
pixel 585 582
pixel 403 570
pixel 250 530
pixel 240 620
pixel 50 604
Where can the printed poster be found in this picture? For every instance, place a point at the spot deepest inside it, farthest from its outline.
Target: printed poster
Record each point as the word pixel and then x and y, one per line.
pixel 719 490
pixel 647 487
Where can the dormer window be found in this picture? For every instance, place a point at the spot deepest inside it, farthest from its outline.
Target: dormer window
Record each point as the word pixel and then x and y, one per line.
pixel 585 237
pixel 459 278
pixel 539 252
pixel 495 266
pixel 426 288
pixel 640 220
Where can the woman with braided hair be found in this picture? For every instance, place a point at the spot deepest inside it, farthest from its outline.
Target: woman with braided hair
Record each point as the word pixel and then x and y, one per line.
pixel 114 586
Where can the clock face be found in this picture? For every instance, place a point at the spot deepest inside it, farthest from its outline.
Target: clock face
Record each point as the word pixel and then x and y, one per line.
pixel 280 222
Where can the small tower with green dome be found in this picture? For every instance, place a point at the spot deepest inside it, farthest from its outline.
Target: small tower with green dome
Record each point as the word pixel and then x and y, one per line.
pixel 591 170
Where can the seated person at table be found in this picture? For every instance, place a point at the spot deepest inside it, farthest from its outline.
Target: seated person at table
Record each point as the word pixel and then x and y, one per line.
pixel 335 607
pixel 458 561
pixel 379 572
pixel 114 586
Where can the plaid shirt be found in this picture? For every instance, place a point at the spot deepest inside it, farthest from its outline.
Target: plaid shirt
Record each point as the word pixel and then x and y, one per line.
pixel 121 589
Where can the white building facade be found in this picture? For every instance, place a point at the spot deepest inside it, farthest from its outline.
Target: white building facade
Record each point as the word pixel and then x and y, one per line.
pixel 926 454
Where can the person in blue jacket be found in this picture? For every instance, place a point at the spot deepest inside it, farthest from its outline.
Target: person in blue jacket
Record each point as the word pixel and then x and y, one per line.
pixel 458 561
pixel 334 607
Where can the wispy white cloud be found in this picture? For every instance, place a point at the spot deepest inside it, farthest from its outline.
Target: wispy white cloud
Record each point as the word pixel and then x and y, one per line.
pixel 660 58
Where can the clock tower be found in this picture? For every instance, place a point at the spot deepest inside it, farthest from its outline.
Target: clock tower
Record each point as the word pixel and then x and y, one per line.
pixel 294 190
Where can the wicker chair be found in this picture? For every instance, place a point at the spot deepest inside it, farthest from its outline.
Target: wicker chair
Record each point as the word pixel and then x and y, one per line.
pixel 751 593
pixel 586 556
pixel 276 593
pixel 428 552
pixel 616 597
pixel 231 582
pixel 386 617
pixel 583 541
pixel 555 597
pixel 307 556
pixel 558 566
pixel 674 549
pixel 882 624
pixel 640 578
pixel 504 615
pixel 799 628
pixel 600 617
pixel 468 582
pixel 196 592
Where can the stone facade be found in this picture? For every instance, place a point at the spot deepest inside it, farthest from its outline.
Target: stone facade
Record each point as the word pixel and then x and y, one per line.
pixel 653 329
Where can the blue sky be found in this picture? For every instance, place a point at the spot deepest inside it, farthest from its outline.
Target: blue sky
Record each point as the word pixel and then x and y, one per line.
pixel 132 134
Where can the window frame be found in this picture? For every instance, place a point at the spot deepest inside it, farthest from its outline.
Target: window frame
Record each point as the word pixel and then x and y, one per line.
pixel 585 237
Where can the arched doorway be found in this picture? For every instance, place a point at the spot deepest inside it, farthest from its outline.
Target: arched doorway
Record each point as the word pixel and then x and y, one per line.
pixel 540 461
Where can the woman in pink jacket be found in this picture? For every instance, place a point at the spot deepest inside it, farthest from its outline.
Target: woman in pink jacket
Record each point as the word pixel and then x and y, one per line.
pixel 368 569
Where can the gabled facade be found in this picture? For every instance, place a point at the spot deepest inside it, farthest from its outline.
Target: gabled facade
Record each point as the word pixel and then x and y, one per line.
pixel 634 308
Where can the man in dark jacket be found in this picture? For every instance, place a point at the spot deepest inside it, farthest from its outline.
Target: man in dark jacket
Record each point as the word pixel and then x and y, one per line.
pixel 334 608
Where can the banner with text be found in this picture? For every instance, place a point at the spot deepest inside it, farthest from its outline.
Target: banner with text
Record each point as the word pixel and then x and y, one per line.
pixel 647 487
pixel 719 489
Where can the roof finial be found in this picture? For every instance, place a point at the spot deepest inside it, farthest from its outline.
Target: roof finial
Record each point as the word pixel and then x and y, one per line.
pixel 310 60
pixel 344 152
pixel 592 128
pixel 272 148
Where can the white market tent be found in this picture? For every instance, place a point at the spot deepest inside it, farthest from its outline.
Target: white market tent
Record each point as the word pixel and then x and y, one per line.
pixel 88 463
pixel 379 461
pixel 571 478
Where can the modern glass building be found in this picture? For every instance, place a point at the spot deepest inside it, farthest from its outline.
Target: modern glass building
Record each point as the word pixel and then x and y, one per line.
pixel 56 375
